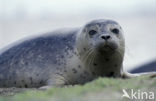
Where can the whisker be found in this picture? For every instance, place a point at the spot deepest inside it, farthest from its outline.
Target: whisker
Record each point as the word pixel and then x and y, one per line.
pixel 86 55
pixel 91 58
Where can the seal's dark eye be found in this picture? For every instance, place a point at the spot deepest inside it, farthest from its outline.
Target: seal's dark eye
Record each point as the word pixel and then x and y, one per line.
pixel 115 30
pixel 92 32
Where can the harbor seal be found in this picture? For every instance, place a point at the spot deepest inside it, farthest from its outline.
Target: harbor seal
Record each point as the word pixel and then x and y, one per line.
pixel 65 57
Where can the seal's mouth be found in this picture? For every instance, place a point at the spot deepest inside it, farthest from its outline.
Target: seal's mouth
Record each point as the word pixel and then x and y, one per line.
pixel 106 46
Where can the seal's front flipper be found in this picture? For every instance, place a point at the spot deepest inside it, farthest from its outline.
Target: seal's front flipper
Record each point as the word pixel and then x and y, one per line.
pixel 56 80
pixel 52 83
pixel 45 87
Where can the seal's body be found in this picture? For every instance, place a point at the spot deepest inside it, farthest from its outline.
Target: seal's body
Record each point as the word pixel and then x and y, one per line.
pixel 65 57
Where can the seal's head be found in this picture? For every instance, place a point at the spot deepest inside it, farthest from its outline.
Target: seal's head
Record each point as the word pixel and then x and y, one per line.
pixel 101 37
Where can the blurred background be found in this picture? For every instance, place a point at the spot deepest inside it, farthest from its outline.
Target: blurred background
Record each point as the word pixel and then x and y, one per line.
pixel 22 18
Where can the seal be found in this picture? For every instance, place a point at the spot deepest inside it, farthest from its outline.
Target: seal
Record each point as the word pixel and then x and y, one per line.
pixel 65 57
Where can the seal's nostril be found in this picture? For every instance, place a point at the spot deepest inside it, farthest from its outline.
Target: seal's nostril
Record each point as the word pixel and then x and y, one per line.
pixel 105 37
